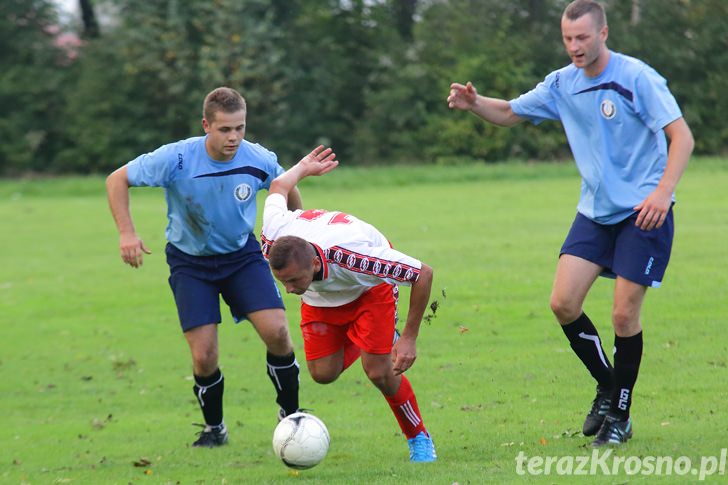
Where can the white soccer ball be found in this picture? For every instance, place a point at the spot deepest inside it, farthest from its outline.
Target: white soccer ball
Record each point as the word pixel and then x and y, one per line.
pixel 301 441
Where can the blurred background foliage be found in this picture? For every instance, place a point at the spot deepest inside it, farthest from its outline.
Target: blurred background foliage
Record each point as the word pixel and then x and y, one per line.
pixel 87 93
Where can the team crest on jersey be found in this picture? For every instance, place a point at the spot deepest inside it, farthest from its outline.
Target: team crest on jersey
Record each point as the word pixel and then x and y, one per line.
pixel 243 192
pixel 608 109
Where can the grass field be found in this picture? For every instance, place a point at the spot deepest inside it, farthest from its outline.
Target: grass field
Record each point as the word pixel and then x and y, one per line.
pixel 96 383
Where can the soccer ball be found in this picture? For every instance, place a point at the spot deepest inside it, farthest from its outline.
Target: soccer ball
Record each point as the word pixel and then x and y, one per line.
pixel 301 441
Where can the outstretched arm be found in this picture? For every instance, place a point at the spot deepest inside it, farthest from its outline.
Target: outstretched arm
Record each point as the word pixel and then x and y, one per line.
pixel 404 351
pixel 130 246
pixel 496 111
pixel 318 162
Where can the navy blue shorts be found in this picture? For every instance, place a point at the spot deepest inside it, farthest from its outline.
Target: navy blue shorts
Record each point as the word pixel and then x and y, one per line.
pixel 243 278
pixel 623 249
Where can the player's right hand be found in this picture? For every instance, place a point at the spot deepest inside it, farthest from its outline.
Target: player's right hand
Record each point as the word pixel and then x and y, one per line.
pixel 462 97
pixel 132 250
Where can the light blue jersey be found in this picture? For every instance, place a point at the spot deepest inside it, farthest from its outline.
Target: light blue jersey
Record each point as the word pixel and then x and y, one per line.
pixel 614 124
pixel 211 205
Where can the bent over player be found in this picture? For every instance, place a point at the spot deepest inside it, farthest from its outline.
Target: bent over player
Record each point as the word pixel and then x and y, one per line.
pixel 347 275
pixel 210 184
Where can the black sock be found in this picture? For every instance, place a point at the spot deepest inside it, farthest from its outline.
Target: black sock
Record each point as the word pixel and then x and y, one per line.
pixel 627 358
pixel 587 345
pixel 208 391
pixel 283 373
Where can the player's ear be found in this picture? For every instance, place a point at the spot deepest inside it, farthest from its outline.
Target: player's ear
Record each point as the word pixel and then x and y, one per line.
pixel 316 264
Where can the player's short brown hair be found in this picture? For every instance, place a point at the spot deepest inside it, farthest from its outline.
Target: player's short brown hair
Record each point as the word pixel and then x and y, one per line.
pixel 579 8
pixel 290 249
pixel 222 99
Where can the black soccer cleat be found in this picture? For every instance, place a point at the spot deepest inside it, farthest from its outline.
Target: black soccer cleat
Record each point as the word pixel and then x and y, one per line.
pixel 282 413
pixel 211 437
pixel 613 431
pixel 599 409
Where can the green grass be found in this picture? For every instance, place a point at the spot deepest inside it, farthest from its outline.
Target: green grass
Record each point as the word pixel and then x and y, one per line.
pixel 95 372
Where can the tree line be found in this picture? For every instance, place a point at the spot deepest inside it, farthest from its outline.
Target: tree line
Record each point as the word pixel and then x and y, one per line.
pixel 368 77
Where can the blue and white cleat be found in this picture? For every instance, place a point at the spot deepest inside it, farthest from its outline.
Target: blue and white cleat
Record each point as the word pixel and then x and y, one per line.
pixel 422 449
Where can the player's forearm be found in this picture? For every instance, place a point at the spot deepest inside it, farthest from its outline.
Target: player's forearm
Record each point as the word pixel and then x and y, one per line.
pixel 496 111
pixel 295 202
pixel 419 297
pixel 284 183
pixel 678 154
pixel 117 191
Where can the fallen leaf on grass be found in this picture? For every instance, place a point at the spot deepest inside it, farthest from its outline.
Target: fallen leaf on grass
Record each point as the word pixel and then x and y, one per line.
pixel 470 407
pixel 142 462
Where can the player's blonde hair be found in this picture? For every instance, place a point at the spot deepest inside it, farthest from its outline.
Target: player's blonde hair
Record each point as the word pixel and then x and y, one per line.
pixel 579 8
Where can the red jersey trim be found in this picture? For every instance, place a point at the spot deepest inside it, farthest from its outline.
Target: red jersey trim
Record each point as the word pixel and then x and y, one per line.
pixel 324 263
pixel 361 263
pixel 265 245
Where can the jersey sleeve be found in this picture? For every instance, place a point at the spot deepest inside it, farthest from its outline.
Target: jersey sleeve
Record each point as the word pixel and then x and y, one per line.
pixel 538 104
pixel 276 216
pixel 654 102
pixel 272 166
pixel 153 169
pixel 382 263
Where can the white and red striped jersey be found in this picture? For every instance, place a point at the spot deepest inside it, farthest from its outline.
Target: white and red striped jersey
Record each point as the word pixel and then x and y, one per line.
pixel 355 255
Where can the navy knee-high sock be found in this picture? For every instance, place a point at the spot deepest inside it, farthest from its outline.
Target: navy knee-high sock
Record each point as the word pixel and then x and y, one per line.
pixel 208 391
pixel 627 359
pixel 587 345
pixel 283 373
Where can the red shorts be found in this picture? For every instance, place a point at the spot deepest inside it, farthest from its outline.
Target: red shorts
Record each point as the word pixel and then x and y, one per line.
pixel 367 322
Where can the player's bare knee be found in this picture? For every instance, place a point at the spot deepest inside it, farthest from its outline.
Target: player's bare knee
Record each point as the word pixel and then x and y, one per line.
pixel 625 322
pixel 379 375
pixel 564 310
pixel 323 377
pixel 204 360
pixel 280 342
pixel 276 337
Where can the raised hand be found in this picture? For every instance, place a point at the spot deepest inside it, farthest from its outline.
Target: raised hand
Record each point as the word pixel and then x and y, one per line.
pixel 320 161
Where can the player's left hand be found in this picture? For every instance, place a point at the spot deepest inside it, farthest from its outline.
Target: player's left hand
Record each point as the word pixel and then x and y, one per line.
pixel 320 161
pixel 653 210
pixel 404 353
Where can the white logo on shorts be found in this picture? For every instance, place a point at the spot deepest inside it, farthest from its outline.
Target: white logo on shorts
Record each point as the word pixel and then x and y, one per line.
pixel 649 265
